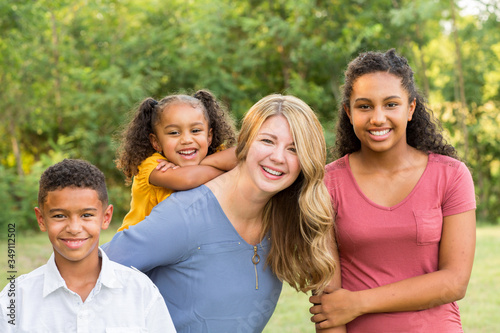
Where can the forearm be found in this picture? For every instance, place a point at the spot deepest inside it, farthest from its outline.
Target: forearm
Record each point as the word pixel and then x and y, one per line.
pixel 413 294
pixel 223 160
pixel 448 284
pixel 184 178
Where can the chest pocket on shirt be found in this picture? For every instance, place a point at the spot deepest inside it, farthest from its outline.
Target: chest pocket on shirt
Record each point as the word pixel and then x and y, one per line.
pixel 429 226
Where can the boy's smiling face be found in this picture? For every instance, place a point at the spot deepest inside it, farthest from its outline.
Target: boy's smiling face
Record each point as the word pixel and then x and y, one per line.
pixel 73 218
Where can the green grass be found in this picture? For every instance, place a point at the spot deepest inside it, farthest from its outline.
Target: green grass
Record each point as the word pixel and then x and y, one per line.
pixel 478 309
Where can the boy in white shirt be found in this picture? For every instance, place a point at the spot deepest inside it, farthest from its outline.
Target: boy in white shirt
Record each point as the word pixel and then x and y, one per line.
pixel 80 289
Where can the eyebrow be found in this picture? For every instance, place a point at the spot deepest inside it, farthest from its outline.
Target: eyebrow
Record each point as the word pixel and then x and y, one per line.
pixel 273 136
pixel 192 124
pixel 268 134
pixel 369 100
pixel 53 210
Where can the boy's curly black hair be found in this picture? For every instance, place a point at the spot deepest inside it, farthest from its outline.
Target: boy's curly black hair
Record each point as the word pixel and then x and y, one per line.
pixel 423 132
pixel 72 173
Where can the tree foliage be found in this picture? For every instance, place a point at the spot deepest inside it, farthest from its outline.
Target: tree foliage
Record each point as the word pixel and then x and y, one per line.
pixel 71 72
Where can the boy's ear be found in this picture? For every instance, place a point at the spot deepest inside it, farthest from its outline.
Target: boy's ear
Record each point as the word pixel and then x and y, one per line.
pixel 154 142
pixel 108 214
pixel 40 220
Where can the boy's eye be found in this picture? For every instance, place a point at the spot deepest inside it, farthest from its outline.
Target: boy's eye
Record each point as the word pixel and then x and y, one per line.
pixel 58 216
pixel 87 215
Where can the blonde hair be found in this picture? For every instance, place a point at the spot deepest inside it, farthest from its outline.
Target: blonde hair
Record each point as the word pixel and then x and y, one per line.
pixel 300 217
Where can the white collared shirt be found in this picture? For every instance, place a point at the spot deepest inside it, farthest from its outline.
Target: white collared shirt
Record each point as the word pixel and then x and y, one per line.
pixel 123 300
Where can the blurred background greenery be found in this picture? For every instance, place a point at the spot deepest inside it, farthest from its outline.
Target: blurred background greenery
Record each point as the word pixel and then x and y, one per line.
pixel 71 72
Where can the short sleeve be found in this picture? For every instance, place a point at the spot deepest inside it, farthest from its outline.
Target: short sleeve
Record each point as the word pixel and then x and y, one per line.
pixel 5 326
pixel 147 166
pixel 460 194
pixel 158 318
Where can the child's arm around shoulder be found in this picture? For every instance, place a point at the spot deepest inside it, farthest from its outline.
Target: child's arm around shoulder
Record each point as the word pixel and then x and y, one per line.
pixel 184 178
pixel 223 160
pixel 188 177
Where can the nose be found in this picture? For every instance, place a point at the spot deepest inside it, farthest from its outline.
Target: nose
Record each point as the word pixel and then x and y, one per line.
pixel 74 225
pixel 278 155
pixel 378 116
pixel 186 138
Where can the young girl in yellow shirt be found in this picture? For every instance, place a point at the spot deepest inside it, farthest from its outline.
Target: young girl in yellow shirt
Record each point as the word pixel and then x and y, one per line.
pixel 190 132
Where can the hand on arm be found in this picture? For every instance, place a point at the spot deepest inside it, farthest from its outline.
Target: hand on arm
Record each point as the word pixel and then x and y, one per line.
pixel 317 307
pixel 447 284
pixel 164 165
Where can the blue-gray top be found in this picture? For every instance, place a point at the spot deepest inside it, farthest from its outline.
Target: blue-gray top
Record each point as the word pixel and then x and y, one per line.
pixel 201 265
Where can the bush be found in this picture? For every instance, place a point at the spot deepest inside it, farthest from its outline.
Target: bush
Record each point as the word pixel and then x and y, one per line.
pixel 18 197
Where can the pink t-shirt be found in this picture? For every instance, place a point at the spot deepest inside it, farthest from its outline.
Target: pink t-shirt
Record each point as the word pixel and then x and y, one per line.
pixel 381 245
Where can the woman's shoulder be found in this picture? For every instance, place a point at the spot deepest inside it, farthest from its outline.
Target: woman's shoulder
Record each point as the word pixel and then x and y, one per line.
pixel 446 167
pixel 189 202
pixel 444 160
pixel 339 164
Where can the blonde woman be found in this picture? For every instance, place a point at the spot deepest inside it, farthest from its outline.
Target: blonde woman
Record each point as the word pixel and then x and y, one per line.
pixel 219 253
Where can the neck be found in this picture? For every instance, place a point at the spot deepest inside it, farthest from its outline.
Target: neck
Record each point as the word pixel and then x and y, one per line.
pixel 242 203
pixel 80 276
pixel 389 160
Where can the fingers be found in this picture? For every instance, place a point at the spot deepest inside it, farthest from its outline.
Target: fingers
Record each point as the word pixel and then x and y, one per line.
pixel 164 165
pixel 318 318
pixel 315 299
pixel 315 309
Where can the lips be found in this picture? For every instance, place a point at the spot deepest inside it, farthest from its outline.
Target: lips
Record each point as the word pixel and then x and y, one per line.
pixel 188 153
pixel 272 172
pixel 380 132
pixel 74 243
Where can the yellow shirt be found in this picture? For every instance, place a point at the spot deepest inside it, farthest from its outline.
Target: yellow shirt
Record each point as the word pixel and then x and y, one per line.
pixel 144 194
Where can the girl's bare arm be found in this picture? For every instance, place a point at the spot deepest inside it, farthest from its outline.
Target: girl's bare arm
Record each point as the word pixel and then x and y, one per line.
pixel 447 284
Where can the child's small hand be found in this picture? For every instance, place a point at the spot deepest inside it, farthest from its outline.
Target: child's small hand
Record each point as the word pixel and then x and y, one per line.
pixel 164 165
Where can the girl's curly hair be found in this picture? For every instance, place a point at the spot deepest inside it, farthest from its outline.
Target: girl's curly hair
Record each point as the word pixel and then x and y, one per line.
pixel 135 145
pixel 423 132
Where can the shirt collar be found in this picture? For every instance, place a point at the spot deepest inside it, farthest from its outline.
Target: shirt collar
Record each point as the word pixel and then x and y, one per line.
pixel 107 276
pixel 53 279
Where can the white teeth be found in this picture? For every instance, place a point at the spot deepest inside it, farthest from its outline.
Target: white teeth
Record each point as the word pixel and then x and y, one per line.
pixel 272 172
pixel 379 133
pixel 187 152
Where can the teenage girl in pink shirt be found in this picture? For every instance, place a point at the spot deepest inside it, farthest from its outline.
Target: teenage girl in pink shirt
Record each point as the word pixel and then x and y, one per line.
pixel 405 208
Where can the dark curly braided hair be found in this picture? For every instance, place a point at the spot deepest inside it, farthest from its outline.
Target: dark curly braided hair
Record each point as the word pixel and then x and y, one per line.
pixel 423 132
pixel 135 145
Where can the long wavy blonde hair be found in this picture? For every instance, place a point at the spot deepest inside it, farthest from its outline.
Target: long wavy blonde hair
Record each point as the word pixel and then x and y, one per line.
pixel 300 217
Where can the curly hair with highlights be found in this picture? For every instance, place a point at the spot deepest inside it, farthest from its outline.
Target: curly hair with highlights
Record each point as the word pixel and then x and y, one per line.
pixel 423 132
pixel 135 145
